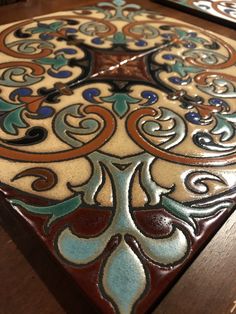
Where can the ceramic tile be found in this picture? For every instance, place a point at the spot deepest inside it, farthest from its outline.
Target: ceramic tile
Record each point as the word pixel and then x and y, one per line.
pixel 118 144
pixel 219 11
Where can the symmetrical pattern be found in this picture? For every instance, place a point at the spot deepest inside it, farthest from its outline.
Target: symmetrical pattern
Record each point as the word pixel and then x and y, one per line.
pixel 222 11
pixel 118 144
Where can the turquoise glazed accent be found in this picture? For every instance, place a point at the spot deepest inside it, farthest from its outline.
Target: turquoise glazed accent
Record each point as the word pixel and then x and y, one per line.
pixel 117 144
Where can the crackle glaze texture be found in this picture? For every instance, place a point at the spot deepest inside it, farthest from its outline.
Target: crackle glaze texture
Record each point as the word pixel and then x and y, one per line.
pixel 118 144
pixel 223 11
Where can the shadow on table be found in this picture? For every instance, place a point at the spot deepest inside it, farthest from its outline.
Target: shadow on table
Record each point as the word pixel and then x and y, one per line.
pixel 49 270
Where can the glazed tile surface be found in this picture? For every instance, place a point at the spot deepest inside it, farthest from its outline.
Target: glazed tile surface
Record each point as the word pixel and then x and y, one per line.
pixel 118 144
pixel 223 10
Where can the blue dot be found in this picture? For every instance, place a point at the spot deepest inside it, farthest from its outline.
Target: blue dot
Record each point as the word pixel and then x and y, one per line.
pixel 141 43
pixel 193 117
pixel 167 36
pixel 45 36
pixel 97 41
pixel 71 30
pixel 68 51
pixel 152 97
pixel 24 91
pixel 90 93
pixel 189 45
pixel 175 80
pixel 216 101
pixel 45 112
pixel 61 74
pixel 168 57
pixel 178 81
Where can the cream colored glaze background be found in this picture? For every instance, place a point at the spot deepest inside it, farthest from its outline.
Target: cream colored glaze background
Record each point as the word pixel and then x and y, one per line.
pixel 79 170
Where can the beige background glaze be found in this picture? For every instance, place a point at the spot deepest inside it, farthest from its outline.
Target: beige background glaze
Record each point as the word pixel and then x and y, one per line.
pixel 78 171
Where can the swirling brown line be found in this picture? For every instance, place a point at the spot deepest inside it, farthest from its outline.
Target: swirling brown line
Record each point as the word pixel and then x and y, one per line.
pixel 228 4
pixel 112 28
pixel 36 68
pixel 202 77
pixel 3 48
pixel 46 52
pixel 228 63
pixel 45 180
pixel 231 51
pixel 106 133
pixel 133 131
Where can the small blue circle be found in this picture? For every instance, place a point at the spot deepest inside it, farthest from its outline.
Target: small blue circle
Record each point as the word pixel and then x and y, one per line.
pixel 152 97
pixel 193 117
pixel 175 80
pixel 71 30
pixel 90 93
pixel 45 36
pixel 168 57
pixel 189 45
pixel 167 36
pixel 216 101
pixel 97 41
pixel 45 112
pixel 141 43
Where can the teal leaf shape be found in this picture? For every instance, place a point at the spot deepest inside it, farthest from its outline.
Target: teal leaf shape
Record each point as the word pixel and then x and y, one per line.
pixel 121 103
pixel 58 62
pixel 13 120
pixel 124 278
pixel 80 251
pixel 45 28
pixel 183 70
pixel 55 25
pixel 225 126
pixel 185 35
pixel 6 106
pixel 119 38
pixel 55 211
pixel 181 33
pixel 119 2
pixel 165 251
pixel 189 213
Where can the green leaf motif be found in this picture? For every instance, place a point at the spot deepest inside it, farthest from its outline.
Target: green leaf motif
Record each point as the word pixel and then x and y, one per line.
pixel 189 213
pixel 55 211
pixel 121 103
pixel 183 70
pixel 225 125
pixel 119 38
pixel 46 28
pixel 14 120
pixel 124 272
pixel 185 36
pixel 58 62
pixel 7 106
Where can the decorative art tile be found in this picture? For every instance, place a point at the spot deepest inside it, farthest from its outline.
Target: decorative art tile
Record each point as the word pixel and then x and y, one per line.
pixel 220 11
pixel 118 144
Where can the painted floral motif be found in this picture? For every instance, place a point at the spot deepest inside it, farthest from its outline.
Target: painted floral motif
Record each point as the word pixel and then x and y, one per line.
pixel 118 143
pixel 224 10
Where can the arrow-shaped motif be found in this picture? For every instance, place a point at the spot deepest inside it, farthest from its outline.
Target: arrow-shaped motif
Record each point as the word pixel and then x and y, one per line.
pixel 121 102
pixel 58 62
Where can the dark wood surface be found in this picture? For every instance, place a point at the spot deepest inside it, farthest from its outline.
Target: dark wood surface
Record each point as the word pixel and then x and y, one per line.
pixel 30 283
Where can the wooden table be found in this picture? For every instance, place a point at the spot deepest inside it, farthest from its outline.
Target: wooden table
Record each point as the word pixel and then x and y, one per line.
pixel 31 283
